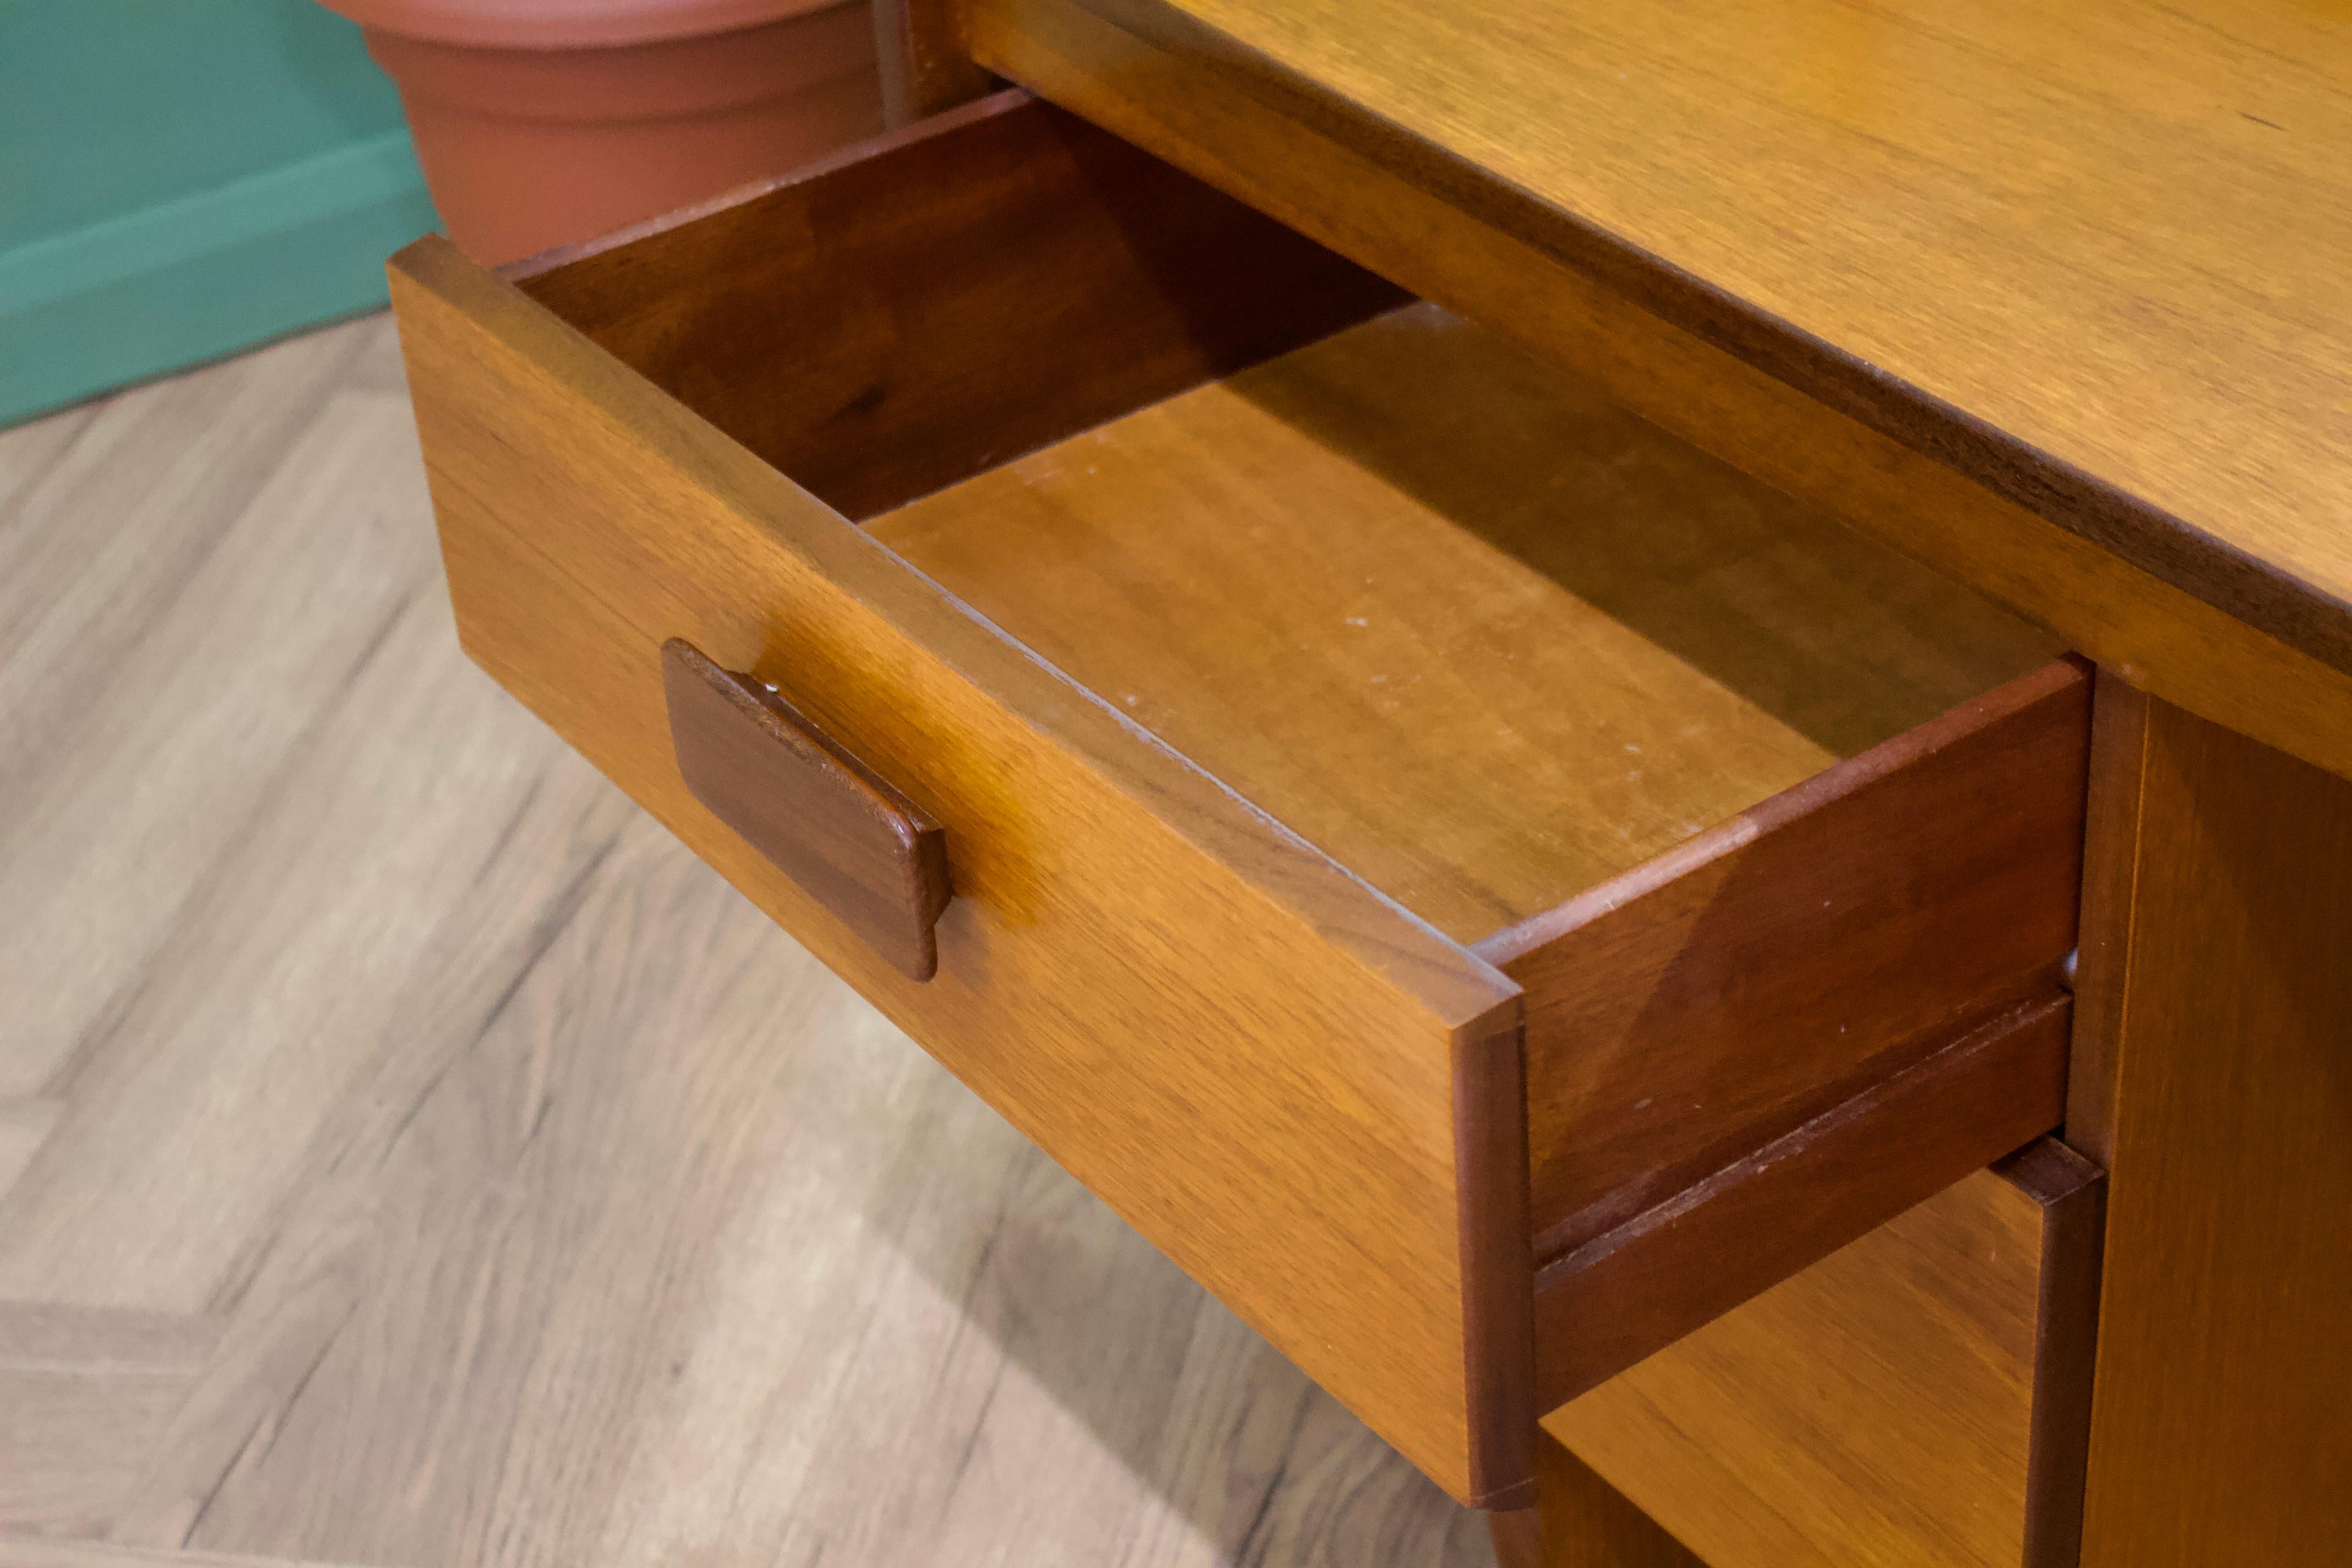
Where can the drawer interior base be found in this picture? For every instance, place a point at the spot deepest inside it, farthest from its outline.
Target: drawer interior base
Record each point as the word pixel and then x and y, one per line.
pixel 1481 636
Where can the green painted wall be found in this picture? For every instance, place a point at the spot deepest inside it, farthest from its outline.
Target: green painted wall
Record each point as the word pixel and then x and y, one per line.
pixel 181 179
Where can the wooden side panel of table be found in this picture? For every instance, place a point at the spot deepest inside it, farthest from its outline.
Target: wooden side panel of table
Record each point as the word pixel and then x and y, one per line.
pixel 2214 1080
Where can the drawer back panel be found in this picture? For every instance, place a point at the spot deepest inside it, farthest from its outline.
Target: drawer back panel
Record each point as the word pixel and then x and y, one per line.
pixel 950 298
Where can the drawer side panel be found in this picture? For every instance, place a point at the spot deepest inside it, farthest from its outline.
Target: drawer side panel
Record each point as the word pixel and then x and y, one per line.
pixel 1686 1014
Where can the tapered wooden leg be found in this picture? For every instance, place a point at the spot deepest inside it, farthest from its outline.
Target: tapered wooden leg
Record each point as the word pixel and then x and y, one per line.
pixel 2213 1077
pixel 1581 1521
pixel 1518 1536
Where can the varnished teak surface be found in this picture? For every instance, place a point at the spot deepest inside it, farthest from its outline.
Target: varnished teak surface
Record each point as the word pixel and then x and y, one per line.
pixel 587 519
pixel 2114 402
pixel 1671 1268
pixel 2092 255
pixel 1546 642
pixel 826 820
pixel 1485 637
pixel 2214 1080
pixel 1965 343
pixel 925 65
pixel 1582 1521
pixel 915 309
pixel 1140 971
pixel 1800 950
pixel 1888 1405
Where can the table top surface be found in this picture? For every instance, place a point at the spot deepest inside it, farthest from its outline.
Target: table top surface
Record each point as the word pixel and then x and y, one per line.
pixel 2110 241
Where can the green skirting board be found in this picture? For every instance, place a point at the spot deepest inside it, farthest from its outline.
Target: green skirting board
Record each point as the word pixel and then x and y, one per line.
pixel 206 275
pixel 197 179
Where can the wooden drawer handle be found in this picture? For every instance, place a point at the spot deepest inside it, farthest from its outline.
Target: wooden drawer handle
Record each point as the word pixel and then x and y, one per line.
pixel 821 817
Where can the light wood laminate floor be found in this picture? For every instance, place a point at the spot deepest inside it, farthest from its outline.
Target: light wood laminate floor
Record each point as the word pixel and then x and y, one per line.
pixel 411 1156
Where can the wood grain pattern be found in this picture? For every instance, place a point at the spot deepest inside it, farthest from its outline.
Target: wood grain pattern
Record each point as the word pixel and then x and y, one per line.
pixel 821 324
pixel 1485 734
pixel 2214 973
pixel 1458 621
pixel 27 1552
pixel 1882 1405
pixel 2111 859
pixel 85 1394
pixel 543 1202
pixel 835 827
pixel 1588 1524
pixel 927 65
pixel 1683 1013
pixel 2177 401
pixel 1638 1288
pixel 1431 222
pixel 1588 729
pixel 2176 394
pixel 586 519
pixel 1189 498
pixel 55 1552
pixel 2073 1193
pixel 1519 1533
pixel 95 554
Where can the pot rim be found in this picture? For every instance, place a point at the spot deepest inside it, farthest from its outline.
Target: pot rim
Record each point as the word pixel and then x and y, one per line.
pixel 566 24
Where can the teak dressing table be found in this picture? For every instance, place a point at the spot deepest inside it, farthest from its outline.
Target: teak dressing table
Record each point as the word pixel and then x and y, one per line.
pixel 1638 718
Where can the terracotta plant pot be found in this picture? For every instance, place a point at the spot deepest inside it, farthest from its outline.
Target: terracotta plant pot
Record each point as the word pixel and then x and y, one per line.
pixel 539 123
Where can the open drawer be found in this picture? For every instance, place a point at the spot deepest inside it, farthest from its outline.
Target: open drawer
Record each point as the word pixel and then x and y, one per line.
pixel 1484 887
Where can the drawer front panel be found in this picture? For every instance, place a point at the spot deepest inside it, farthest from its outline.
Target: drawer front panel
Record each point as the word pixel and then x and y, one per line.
pixel 1309 1100
pixel 1917 1397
